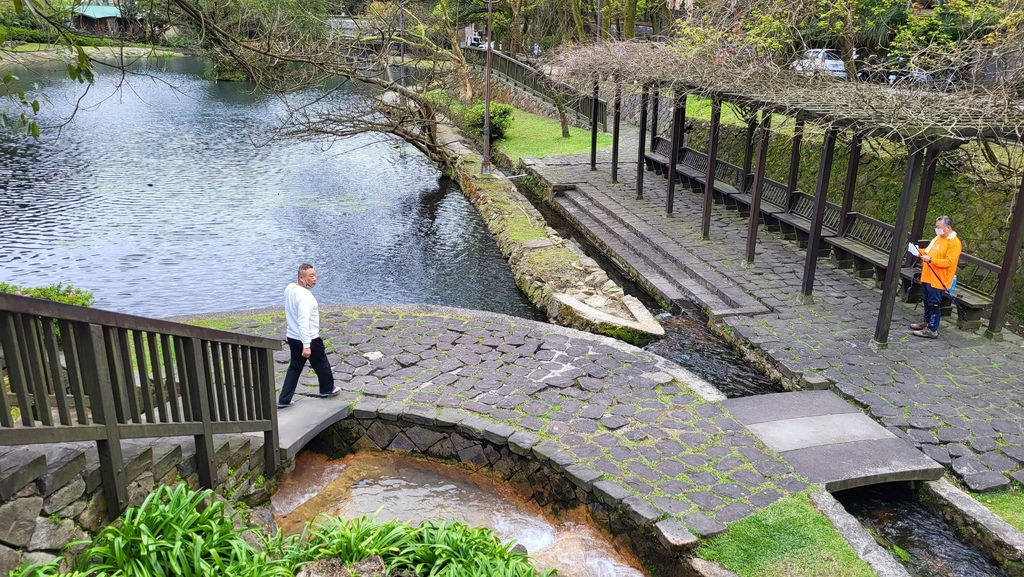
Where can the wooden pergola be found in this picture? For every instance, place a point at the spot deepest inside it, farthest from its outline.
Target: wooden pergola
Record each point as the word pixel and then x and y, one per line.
pixel 926 123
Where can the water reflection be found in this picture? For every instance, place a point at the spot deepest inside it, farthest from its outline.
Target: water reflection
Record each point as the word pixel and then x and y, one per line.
pixel 155 198
pixel 411 489
pixel 896 517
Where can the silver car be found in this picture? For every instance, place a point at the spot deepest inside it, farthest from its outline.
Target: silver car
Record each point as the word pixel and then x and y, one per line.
pixel 821 61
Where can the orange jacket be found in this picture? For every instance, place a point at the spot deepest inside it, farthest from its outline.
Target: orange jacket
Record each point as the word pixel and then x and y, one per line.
pixel 945 253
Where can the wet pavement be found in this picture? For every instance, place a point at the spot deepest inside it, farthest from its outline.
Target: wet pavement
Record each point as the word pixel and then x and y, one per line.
pixel 957 398
pixel 631 416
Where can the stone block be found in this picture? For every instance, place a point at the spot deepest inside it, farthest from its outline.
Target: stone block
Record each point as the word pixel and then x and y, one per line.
pixel 50 535
pixel 582 476
pixel 498 433
pixel 18 520
pixel 10 559
pixel 640 511
pixel 64 496
pixel 165 458
pixel 423 438
pixel 18 468
pixel 62 465
pixel 419 415
pixel 522 442
pixel 704 525
pixel 402 443
pixel 94 515
pixel 674 535
pixel 610 493
pixel 238 448
pixel 366 408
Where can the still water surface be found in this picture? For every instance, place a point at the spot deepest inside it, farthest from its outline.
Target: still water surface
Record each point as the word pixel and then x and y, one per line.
pixel 414 490
pixel 156 198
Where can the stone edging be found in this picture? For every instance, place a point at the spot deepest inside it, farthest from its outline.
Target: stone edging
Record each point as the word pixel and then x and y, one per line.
pixel 536 468
pixel 972 520
pixel 570 287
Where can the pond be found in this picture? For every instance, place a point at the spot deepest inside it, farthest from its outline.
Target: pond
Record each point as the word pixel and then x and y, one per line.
pixel 415 489
pixel 156 198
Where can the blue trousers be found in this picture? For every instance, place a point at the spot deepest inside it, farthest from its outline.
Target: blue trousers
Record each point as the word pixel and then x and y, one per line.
pixel 932 300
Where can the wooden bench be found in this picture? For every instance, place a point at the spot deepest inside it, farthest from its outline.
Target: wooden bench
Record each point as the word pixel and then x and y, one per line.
pixel 976 281
pixel 657 158
pixel 865 246
pixel 796 223
pixel 773 201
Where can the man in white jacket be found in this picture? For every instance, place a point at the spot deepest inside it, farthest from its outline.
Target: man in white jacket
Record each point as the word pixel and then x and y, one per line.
pixel 303 317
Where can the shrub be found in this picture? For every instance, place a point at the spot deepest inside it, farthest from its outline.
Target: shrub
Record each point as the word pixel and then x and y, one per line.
pixel 59 292
pixel 501 119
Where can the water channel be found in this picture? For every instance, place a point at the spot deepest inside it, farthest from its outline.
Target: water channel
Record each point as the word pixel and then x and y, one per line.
pixel 155 198
pixel 410 489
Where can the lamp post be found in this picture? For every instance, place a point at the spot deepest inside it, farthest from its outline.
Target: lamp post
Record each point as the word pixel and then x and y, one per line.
pixel 485 166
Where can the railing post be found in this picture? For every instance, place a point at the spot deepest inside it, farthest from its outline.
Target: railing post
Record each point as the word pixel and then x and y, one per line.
pixel 199 396
pixel 267 389
pixel 96 376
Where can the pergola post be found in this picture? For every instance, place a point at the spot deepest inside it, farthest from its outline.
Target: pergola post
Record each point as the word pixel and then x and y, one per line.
pixel 682 126
pixel 892 276
pixel 851 181
pixel 755 196
pixel 748 151
pixel 673 157
pixel 828 150
pixel 593 125
pixel 1010 259
pixel 794 159
pixel 655 103
pixel 616 120
pixel 924 196
pixel 645 96
pixel 709 180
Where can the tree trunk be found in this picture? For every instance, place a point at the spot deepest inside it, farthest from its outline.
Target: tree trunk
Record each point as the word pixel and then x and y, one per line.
pixel 846 49
pixel 562 118
pixel 577 17
pixel 629 27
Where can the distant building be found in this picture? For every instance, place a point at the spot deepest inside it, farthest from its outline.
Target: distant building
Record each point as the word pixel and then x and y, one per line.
pixel 99 19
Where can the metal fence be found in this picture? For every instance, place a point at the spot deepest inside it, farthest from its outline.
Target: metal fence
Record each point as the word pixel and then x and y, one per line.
pixel 82 374
pixel 538 84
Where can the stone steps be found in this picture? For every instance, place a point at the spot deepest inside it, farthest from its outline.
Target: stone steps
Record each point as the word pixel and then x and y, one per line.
pixel 671 270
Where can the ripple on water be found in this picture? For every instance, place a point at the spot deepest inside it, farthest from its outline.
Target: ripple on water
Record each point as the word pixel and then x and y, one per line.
pixel 414 490
pixel 156 199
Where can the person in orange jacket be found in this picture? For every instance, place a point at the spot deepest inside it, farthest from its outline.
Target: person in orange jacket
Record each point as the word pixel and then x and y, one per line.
pixel 939 261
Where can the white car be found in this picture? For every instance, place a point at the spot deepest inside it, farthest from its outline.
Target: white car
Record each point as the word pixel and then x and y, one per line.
pixel 821 61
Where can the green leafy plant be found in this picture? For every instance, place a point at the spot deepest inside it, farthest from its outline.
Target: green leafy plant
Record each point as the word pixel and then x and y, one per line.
pixel 442 549
pixel 501 119
pixel 180 532
pixel 60 292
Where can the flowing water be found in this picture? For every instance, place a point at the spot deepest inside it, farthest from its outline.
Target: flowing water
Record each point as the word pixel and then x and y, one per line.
pixel 931 547
pixel 155 197
pixel 411 489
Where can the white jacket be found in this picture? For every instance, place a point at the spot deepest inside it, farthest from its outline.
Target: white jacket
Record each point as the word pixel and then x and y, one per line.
pixel 302 313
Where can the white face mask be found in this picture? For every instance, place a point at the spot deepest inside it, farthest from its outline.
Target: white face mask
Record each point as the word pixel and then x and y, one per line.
pixel 938 232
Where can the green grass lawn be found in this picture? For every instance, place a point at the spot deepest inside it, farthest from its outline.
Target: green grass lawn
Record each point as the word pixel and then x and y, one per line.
pixel 1008 505
pixel 788 539
pixel 536 137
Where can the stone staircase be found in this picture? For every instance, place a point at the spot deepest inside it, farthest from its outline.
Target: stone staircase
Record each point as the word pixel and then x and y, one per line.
pixel 671 270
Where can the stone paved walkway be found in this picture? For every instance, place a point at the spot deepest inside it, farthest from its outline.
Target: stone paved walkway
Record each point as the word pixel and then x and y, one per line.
pixel 653 428
pixel 959 399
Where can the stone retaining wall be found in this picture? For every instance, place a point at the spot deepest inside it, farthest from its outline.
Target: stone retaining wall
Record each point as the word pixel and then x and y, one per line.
pixel 538 470
pixel 52 495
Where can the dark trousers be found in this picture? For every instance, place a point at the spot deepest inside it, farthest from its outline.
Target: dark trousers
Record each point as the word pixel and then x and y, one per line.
pixel 932 301
pixel 317 360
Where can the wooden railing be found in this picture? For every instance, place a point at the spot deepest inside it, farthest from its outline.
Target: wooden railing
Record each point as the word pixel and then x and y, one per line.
pixel 82 374
pixel 533 81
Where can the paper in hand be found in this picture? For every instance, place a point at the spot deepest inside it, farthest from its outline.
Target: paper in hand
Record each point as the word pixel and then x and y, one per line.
pixel 912 249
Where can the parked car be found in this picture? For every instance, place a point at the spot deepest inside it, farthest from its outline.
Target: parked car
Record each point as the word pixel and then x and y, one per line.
pixel 821 61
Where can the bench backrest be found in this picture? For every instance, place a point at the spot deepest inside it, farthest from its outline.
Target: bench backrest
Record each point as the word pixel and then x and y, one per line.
pixel 662 146
pixel 695 159
pixel 774 193
pixel 729 173
pixel 803 205
pixel 870 231
pixel 978 275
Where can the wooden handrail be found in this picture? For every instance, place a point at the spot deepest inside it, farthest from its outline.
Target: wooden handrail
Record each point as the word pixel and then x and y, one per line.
pixel 20 304
pixel 81 374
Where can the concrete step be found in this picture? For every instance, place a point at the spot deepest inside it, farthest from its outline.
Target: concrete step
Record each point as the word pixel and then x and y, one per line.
pixel 829 441
pixel 668 275
pixel 652 238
